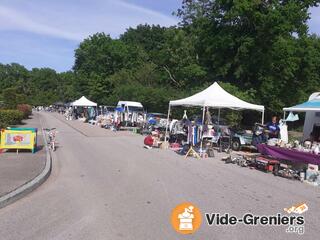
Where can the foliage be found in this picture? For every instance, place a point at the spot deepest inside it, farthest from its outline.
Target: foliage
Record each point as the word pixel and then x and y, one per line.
pixel 12 97
pixel 256 44
pixel 10 117
pixel 260 51
pixel 234 117
pixel 25 109
pixel 149 38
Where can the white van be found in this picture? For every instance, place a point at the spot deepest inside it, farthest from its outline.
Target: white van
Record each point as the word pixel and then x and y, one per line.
pixel 129 106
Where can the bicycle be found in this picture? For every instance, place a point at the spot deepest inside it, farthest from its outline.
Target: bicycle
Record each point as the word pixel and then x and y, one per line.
pixel 51 138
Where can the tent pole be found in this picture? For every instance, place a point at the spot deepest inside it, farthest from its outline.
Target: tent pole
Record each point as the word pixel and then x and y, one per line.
pixel 284 115
pixel 165 136
pixel 262 119
pixel 219 130
pixel 203 112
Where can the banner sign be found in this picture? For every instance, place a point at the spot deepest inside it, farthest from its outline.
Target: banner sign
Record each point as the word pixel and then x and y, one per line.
pixel 18 139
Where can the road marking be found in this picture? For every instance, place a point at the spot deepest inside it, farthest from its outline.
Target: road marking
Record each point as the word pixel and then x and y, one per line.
pixel 70 126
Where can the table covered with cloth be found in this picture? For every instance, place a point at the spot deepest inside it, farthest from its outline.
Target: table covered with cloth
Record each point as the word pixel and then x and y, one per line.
pixel 289 154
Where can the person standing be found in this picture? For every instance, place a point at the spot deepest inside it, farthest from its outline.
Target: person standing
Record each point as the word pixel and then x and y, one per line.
pixel 273 128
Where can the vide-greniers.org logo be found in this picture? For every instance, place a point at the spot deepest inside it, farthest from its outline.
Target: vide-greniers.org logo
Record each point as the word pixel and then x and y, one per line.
pixel 253 220
pixel 186 219
pixel 294 223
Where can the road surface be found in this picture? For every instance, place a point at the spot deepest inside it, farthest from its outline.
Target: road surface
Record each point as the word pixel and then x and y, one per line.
pixel 105 185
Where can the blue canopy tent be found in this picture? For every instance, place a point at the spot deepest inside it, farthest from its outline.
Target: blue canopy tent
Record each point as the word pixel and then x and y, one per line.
pixel 312 105
pixel 312 110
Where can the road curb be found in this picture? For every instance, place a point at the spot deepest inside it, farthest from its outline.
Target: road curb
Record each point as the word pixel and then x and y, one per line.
pixel 28 187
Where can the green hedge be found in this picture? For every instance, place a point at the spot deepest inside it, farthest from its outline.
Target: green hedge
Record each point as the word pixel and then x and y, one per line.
pixel 10 117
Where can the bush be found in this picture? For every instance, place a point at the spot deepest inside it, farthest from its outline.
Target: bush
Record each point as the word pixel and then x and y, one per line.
pixel 10 117
pixel 25 109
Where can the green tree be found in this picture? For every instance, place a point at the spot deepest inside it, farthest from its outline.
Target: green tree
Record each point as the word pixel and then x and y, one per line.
pixel 179 59
pixel 253 44
pixel 102 55
pixel 12 98
pixel 149 38
pixel 67 86
pixel 45 87
pixel 14 75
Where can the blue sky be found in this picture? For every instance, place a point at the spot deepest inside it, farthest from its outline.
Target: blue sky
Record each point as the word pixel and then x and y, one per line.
pixel 44 33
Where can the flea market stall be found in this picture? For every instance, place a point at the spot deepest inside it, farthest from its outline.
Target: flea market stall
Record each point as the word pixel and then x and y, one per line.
pixel 107 117
pixel 302 157
pixel 214 97
pixel 82 109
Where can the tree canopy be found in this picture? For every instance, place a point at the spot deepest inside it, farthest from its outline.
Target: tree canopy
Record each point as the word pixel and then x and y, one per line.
pixel 259 50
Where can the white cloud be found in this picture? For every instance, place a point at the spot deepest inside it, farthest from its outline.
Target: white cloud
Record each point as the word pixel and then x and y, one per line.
pixel 76 19
pixel 146 11
pixel 14 20
pixel 39 33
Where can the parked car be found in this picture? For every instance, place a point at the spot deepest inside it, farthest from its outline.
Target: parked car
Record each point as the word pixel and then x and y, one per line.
pixel 241 138
pixel 156 120
pixel 248 138
pixel 156 116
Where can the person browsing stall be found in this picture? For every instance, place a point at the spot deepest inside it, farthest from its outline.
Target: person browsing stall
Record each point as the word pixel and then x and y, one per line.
pixel 152 140
pixel 273 128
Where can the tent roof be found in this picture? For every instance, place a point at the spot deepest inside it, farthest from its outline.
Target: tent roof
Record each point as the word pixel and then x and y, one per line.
pixel 83 102
pixel 312 105
pixel 215 96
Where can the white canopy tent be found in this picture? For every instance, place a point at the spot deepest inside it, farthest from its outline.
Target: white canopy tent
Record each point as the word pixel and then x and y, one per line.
pixel 83 102
pixel 215 97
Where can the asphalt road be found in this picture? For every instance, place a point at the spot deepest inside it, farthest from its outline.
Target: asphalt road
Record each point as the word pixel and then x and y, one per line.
pixel 105 185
